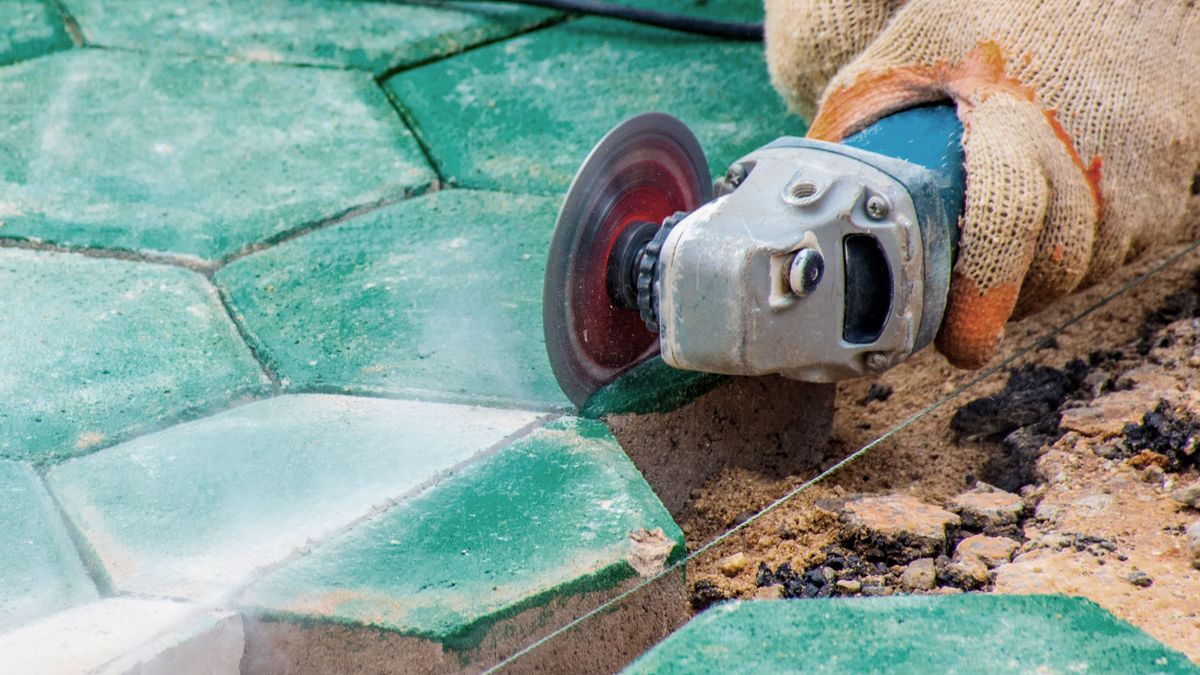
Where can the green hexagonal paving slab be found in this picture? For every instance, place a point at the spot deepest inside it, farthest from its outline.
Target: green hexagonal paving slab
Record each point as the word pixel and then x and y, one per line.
pixel 547 517
pixel 968 633
pixel 29 28
pixel 367 35
pixel 194 157
pixel 40 570
pixel 193 510
pixel 522 115
pixel 438 297
pixel 98 350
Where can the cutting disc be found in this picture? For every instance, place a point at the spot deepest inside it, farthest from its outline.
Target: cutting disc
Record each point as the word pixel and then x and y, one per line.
pixel 644 170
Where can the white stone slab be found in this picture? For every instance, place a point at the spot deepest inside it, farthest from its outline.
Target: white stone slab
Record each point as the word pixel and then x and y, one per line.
pixel 194 511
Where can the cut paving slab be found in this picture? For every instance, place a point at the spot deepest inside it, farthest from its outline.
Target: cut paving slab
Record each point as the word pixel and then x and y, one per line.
pixel 98 350
pixel 478 566
pixel 199 158
pixel 439 297
pixel 915 634
pixel 40 570
pixel 120 636
pixel 193 511
pixel 523 114
pixel 30 28
pixel 371 36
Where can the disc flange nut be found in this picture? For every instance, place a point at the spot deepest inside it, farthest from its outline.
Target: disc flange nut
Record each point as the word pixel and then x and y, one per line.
pixel 805 272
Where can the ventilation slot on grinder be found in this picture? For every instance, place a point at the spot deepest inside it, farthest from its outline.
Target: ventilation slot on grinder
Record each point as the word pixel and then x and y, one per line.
pixel 868 286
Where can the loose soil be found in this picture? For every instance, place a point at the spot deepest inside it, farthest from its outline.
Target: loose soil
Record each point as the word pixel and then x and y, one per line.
pixel 1093 430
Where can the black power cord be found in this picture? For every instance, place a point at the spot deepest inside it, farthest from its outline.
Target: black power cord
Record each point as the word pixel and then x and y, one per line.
pixel 729 30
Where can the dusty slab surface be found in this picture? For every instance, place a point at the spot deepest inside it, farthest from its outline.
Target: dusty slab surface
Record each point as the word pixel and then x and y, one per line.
pixel 199 158
pixel 96 351
pixel 437 297
pixel 118 636
pixel 193 510
pixel 522 115
pixel 40 570
pixel 557 514
pixel 371 36
pixel 32 28
pixel 966 633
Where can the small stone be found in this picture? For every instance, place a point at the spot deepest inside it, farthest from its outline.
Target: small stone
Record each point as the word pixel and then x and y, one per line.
pixel 897 526
pixel 732 565
pixel 1153 474
pixel 876 591
pixel 774 592
pixel 988 509
pixel 1193 540
pixel 920 575
pixel 1139 578
pixel 849 585
pixel 992 551
pixel 947 590
pixel 1188 495
pixel 968 573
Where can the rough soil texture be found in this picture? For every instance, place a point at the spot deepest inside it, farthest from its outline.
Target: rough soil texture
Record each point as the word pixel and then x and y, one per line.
pixel 1055 474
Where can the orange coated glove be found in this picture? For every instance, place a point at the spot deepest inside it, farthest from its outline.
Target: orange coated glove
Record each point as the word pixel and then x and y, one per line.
pixel 1081 130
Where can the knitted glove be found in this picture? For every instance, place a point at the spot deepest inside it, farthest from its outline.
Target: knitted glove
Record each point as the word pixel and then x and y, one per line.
pixel 1082 134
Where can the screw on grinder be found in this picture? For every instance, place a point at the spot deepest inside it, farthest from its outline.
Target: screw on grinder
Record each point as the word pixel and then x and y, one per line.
pixel 817 261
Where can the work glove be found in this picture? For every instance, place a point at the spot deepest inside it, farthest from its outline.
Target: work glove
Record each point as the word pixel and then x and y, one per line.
pixel 1081 130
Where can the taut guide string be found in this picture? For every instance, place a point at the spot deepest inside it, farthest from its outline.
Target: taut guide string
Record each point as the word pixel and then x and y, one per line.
pixel 1168 262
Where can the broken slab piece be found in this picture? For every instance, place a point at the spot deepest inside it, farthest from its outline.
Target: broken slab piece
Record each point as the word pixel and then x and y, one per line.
pixel 479 566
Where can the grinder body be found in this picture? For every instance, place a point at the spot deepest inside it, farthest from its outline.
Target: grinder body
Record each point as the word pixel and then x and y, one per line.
pixel 820 261
pixel 817 261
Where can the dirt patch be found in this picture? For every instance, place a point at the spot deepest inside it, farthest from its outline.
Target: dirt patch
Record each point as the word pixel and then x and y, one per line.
pixel 1091 432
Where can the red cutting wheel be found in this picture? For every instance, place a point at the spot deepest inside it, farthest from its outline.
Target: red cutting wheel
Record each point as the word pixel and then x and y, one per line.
pixel 644 170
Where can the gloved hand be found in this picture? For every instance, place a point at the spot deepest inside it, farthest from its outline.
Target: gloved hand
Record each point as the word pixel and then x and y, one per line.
pixel 1082 130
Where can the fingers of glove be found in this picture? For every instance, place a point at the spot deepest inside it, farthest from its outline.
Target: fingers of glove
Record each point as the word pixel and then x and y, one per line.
pixel 1007 201
pixel 807 42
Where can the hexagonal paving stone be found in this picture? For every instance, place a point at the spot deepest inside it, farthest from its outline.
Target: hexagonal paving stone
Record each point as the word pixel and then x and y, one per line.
pixel 193 510
pixel 438 297
pixel 29 28
pixel 98 350
pixel 522 115
pixel 511 547
pixel 913 634
pixel 40 570
pixel 201 158
pixel 367 35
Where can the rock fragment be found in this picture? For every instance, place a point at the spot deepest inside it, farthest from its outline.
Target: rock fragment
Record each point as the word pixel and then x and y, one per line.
pixel 1189 495
pixel 897 526
pixel 969 573
pixel 920 575
pixel 988 508
pixel 732 565
pixel 991 551
pixel 1139 578
pixel 1193 540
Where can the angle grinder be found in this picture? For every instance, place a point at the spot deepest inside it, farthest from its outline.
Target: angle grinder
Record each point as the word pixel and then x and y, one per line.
pixel 816 261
